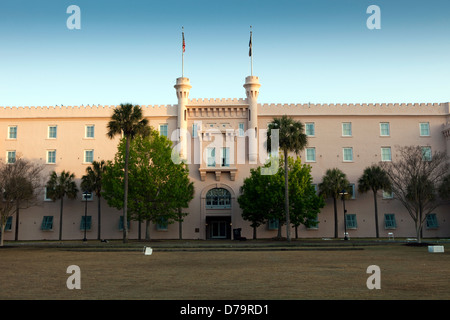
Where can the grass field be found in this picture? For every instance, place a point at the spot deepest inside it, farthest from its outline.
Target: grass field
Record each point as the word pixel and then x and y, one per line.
pixel 217 271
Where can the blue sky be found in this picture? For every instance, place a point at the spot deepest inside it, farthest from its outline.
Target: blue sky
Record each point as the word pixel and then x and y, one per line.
pixel 317 51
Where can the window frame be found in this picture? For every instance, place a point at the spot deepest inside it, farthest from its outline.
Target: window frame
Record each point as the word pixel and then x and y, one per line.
pixel 87 131
pixel 307 154
pixel 343 154
pixel 388 129
pixel 164 132
pixel 427 128
pixel 47 223
pixel 223 201
pixel 390 223
pixel 47 158
pixel 311 125
pixel 344 134
pixel 9 132
pixel 85 158
pixel 9 158
pixel 351 221
pixel 49 131
pixel 382 154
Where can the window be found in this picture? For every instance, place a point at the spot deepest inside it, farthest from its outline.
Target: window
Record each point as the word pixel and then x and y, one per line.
pixel 424 129
pixel 12 132
pixel 10 156
pixel 310 154
pixel 389 221
pixel 352 190
pixel 85 223
pixel 218 198
pixel 8 225
pixel 162 224
pixel 346 129
pixel 121 223
pixel 89 131
pixel 241 129
pixel 163 130
pixel 46 198
pixel 87 197
pixel 273 224
pixel 52 132
pixel 211 157
pixel 225 157
pixel 385 129
pixel 348 154
pixel 194 130
pixel 350 221
pixel 432 222
pixel 88 156
pixel 47 223
pixel 388 194
pixel 310 129
pixel 51 156
pixel 426 153
pixel 386 154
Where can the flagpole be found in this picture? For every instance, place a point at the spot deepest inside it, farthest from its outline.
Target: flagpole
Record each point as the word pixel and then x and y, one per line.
pixel 251 53
pixel 182 55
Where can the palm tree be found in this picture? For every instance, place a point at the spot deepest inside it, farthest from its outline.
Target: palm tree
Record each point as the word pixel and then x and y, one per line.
pixel 292 137
pixel 60 186
pixel 333 182
pixel 92 182
pixel 129 121
pixel 374 178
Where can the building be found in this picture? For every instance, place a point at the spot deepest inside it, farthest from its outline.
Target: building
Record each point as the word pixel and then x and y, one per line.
pixel 221 146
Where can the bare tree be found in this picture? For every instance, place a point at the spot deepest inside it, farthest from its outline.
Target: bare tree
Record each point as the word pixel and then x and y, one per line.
pixel 19 185
pixel 416 177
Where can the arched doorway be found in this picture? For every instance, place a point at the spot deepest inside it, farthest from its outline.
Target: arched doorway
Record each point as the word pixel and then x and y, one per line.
pixel 217 208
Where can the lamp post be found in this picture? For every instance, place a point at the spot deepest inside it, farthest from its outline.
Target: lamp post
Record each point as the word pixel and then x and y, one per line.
pixel 85 194
pixel 343 193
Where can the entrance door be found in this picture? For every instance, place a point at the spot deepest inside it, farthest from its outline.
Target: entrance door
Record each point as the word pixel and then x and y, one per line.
pixel 218 229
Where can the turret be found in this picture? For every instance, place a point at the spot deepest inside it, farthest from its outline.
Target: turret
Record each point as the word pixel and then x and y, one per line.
pixel 182 88
pixel 252 91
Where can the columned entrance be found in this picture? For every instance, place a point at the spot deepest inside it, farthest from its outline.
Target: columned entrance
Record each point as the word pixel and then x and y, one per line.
pixel 218 227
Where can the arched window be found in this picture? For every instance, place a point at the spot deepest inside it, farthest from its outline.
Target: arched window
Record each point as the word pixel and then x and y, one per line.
pixel 218 198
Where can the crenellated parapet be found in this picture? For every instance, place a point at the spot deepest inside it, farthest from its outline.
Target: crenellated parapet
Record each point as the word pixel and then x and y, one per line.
pixel 355 109
pixel 210 102
pixel 83 111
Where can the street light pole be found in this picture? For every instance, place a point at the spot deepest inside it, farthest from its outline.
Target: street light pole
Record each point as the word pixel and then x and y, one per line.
pixel 343 193
pixel 85 213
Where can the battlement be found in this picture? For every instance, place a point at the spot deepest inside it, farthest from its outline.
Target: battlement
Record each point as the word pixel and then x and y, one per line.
pixel 355 109
pixel 212 101
pixel 83 111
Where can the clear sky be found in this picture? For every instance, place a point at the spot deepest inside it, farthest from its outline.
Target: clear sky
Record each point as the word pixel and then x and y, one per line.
pixel 317 51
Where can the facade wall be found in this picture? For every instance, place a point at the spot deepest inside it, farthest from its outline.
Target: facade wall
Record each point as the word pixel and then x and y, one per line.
pixel 222 118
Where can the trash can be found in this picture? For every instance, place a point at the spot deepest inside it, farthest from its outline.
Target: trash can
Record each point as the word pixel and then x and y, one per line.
pixel 237 234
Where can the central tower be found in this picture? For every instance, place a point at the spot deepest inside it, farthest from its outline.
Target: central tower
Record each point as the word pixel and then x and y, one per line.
pixel 252 91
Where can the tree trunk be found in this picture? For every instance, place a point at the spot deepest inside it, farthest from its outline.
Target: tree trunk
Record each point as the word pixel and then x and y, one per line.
pixel 335 218
pixel 61 219
pixel 286 197
pixel 254 233
pixel 2 232
pixel 16 236
pixel 376 213
pixel 125 193
pixel 147 230
pixel 180 225
pixel 99 218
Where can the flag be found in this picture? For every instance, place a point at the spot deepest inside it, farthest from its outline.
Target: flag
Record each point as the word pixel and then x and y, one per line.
pixel 250 45
pixel 184 44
